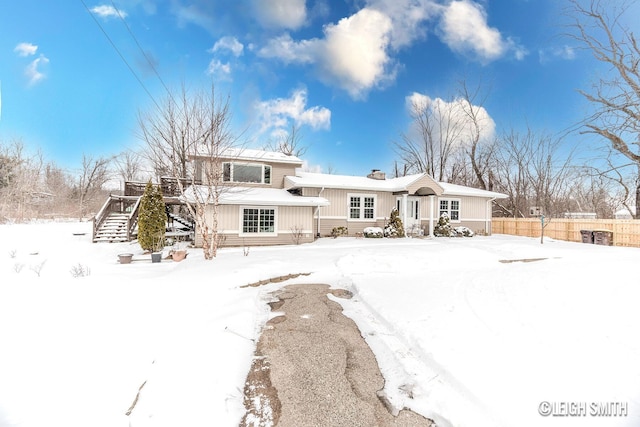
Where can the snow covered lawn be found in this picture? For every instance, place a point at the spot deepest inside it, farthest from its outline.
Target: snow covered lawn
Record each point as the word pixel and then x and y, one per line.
pixel 480 331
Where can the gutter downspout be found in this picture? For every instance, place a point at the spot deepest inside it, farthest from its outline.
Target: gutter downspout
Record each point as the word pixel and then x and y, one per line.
pixel 318 216
pixel 404 211
pixel 487 224
pixel 432 198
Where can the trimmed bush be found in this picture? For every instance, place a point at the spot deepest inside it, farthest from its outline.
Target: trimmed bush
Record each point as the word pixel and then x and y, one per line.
pixel 339 231
pixel 462 232
pixel 152 219
pixel 394 227
pixel 373 232
pixel 443 228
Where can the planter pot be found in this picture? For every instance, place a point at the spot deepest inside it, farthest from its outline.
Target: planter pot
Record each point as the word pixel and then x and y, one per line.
pixel 179 255
pixel 125 258
pixel 156 256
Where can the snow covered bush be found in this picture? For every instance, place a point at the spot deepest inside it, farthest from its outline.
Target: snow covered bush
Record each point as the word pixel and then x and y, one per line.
pixel 339 231
pixel 462 232
pixel 394 227
pixel 373 232
pixel 443 228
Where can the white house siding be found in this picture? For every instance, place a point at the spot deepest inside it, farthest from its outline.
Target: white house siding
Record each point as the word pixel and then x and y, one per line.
pixel 279 171
pixel 473 212
pixel 289 219
pixel 336 215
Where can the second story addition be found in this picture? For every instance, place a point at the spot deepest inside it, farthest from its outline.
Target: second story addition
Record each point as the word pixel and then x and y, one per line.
pixel 252 168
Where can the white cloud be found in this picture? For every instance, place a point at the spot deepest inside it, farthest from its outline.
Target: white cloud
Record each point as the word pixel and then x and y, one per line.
pixel 454 117
pixel 108 11
pixel 352 55
pixel 282 14
pixel 33 72
pixel 276 114
pixel 26 49
pixel 290 51
pixel 559 52
pixel 408 18
pixel 465 30
pixel 193 14
pixel 219 70
pixel 228 43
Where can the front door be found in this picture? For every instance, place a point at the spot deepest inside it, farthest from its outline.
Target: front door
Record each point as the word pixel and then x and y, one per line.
pixel 410 214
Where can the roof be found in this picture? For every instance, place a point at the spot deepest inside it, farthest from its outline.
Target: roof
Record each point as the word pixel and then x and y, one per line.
pixel 348 182
pixel 461 190
pixel 256 197
pixel 249 154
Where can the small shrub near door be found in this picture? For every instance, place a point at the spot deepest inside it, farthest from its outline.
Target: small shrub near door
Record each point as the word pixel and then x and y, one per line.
pixel 443 228
pixel 394 227
pixel 339 231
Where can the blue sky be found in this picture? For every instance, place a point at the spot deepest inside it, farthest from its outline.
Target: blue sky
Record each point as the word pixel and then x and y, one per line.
pixel 340 70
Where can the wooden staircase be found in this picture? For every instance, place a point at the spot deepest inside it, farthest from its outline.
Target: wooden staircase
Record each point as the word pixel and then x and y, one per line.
pixel 114 228
pixel 117 220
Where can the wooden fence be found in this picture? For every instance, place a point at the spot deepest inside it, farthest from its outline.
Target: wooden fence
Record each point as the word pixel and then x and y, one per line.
pixel 626 232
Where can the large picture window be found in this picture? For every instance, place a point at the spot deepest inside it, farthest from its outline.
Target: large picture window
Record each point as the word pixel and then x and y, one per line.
pixel 258 220
pixel 247 173
pixel 451 208
pixel 362 207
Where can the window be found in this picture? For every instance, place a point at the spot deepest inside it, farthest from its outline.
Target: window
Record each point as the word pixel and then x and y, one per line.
pixel 362 207
pixel 242 172
pixel 451 208
pixel 259 220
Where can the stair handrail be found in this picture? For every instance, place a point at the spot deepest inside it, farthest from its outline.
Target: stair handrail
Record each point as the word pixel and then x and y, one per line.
pixel 98 218
pixel 132 220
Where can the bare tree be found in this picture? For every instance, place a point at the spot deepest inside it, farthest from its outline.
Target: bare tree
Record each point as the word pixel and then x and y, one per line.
pixel 435 134
pixel 479 146
pixel 289 143
pixel 533 170
pixel 187 139
pixel 90 181
pixel 599 27
pixel 168 132
pixel 59 184
pixel 20 181
pixel 594 192
pixel 128 165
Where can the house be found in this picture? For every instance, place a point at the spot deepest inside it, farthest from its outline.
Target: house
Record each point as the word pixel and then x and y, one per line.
pixel 267 200
pixel 625 213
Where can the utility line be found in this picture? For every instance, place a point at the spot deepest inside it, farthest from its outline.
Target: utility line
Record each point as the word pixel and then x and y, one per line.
pixel 135 39
pixel 119 53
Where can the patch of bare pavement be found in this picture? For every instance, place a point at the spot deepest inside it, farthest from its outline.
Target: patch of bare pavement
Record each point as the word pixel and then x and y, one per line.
pixel 313 368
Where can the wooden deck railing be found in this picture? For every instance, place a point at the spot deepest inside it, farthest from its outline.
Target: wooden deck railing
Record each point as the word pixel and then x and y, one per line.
pixel 170 186
pixel 119 204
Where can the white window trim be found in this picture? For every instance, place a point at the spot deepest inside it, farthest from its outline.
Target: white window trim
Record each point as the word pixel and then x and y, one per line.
pixel 362 196
pixel 450 199
pixel 262 165
pixel 241 233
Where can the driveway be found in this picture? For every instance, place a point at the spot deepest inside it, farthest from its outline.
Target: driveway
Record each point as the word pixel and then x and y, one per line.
pixel 312 367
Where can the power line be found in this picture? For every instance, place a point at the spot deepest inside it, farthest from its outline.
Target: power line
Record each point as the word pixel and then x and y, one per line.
pixel 153 67
pixel 119 53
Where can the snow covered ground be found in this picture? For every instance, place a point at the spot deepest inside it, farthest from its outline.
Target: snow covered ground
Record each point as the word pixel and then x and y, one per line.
pixel 464 331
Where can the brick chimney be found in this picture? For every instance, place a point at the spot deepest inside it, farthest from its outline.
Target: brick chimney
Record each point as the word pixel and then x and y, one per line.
pixel 377 174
